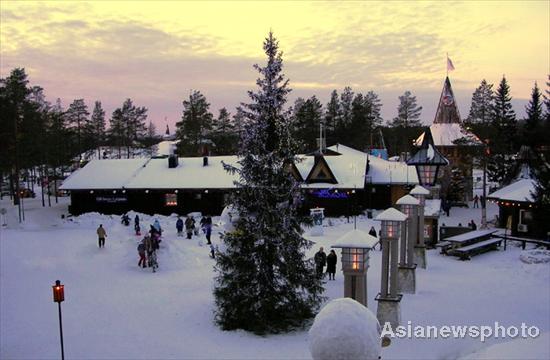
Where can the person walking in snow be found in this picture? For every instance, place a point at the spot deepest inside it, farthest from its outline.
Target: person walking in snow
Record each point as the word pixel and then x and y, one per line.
pixel 141 251
pixel 101 235
pixel 125 219
pixel 320 262
pixel 476 199
pixel 157 227
pixel 472 225
pixel 136 220
pixel 189 226
pixel 137 229
pixel 179 226
pixel 331 264
pixel 207 227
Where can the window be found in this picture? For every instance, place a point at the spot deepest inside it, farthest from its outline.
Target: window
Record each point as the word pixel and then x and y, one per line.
pixel 171 199
pixel 525 216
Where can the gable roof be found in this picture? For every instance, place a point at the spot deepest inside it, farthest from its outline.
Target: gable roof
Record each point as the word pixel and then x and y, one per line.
pixel 447 134
pixel 320 172
pixel 517 191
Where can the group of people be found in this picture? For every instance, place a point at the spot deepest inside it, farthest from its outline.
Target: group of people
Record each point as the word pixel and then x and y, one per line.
pixel 321 259
pixel 190 228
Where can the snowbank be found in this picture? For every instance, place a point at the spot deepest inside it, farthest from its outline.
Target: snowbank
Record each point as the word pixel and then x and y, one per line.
pixel 520 348
pixel 345 329
pixel 535 257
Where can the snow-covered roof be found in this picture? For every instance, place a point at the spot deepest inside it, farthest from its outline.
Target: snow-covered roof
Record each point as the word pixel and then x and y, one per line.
pixel 189 174
pixel 349 169
pixel 517 191
pixel 445 134
pixel 104 174
pixel 391 214
pixel 356 239
pixel 419 190
pixel 380 171
pixel 408 200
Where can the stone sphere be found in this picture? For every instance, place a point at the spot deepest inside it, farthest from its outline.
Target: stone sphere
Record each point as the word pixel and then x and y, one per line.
pixel 345 329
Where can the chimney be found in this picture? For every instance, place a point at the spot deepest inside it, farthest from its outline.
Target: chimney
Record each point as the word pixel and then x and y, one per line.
pixel 205 161
pixel 172 161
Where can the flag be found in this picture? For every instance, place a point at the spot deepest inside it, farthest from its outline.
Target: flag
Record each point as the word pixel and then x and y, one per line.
pixel 450 66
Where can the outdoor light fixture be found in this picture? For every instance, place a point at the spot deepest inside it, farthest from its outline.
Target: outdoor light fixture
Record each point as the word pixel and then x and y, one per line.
pixel 427 160
pixel 58 297
pixel 391 229
pixel 58 292
pixel 355 246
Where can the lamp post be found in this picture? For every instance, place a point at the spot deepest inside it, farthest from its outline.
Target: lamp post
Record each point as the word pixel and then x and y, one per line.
pixel 420 193
pixel 58 297
pixel 407 267
pixel 355 246
pixel 388 298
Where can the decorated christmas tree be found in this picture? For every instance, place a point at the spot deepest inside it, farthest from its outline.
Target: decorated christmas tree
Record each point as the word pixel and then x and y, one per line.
pixel 264 282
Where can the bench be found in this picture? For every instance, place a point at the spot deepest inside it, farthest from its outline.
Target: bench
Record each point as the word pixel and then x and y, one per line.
pixel 444 245
pixel 466 252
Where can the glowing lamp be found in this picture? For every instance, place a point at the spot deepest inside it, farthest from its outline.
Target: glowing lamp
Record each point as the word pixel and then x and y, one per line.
pixel 58 292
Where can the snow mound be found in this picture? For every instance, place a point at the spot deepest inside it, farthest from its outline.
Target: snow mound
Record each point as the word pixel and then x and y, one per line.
pixel 520 348
pixel 345 329
pixel 535 257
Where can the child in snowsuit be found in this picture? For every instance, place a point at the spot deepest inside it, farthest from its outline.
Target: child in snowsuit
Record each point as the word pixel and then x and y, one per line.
pixel 189 226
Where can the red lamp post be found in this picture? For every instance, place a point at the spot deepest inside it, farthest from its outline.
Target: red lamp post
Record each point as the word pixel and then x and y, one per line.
pixel 58 297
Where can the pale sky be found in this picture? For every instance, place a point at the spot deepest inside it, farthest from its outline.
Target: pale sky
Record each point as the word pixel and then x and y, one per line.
pixel 156 52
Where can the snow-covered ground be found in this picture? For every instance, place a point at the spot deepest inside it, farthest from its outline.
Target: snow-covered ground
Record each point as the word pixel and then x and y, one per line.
pixel 115 310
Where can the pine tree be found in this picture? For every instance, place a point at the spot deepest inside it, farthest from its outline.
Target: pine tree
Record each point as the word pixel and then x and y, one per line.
pixel 482 104
pixel 502 144
pixel 479 120
pixel 408 111
pixel 346 104
pixel 533 130
pixel 541 214
pixel 263 282
pixel 333 115
pixel 76 116
pixel 547 105
pixel 223 133
pixel 504 121
pixel 95 128
pixel 307 116
pixel 195 125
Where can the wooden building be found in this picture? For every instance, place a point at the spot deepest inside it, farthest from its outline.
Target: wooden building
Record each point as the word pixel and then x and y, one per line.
pixel 341 179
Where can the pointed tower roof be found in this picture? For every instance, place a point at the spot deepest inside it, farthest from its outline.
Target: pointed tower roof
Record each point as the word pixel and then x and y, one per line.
pixel 447 110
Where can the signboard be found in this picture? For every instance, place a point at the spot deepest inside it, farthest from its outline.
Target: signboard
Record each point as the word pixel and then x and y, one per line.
pixel 327 194
pixel 106 199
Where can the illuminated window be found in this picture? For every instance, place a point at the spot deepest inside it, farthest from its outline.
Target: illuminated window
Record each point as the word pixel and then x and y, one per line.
pixel 171 199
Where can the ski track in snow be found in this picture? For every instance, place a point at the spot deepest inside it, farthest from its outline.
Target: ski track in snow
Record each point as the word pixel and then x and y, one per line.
pixel 115 310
